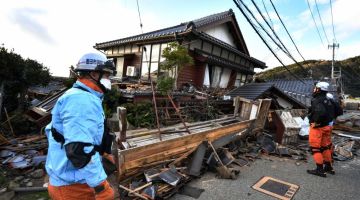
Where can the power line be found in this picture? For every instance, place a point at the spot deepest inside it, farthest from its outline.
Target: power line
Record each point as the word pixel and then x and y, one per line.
pixel 141 25
pixel 261 37
pixel 284 49
pixel 322 25
pixel 286 30
pixel 332 21
pixel 267 13
pixel 315 23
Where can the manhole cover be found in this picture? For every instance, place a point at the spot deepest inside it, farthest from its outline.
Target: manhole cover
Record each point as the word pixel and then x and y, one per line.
pixel 276 188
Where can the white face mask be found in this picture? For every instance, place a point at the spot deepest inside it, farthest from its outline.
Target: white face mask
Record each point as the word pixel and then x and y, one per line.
pixel 106 83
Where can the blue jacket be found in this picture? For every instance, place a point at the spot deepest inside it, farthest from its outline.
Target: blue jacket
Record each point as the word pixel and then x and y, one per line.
pixel 79 116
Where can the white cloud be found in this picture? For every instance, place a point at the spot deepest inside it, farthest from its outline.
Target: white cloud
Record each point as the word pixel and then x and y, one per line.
pixel 57 33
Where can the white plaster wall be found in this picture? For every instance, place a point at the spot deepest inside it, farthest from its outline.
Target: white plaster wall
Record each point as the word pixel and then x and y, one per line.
pixel 283 103
pixel 119 66
pixel 225 77
pixel 221 32
pixel 207 76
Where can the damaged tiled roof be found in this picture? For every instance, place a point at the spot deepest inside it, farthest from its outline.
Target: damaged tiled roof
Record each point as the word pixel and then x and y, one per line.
pixel 295 85
pixel 298 90
pixel 253 91
pixel 250 91
pixel 170 30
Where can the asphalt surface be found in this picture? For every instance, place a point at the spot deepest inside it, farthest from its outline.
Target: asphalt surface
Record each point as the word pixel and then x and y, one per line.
pixel 345 184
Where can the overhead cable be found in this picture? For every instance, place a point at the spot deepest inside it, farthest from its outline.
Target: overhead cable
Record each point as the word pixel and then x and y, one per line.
pixel 267 13
pixel 261 37
pixel 315 23
pixel 141 25
pixel 286 30
pixel 285 50
pixel 332 21
pixel 322 25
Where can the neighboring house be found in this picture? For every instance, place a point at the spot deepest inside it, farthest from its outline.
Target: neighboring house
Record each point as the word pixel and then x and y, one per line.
pixel 221 57
pixel 40 92
pixel 254 91
pixel 300 90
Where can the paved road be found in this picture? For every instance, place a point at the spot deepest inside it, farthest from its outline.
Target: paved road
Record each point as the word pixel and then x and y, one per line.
pixel 342 186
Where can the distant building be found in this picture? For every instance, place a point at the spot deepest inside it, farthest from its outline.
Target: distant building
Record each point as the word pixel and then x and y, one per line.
pixel 221 57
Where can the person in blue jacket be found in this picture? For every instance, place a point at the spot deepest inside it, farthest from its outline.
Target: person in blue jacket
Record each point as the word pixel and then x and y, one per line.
pixel 76 135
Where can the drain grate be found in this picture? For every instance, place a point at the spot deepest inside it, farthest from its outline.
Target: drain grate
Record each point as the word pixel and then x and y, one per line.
pixel 276 188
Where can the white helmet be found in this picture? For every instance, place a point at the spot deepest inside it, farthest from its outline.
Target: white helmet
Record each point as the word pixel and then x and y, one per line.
pixel 323 86
pixel 95 62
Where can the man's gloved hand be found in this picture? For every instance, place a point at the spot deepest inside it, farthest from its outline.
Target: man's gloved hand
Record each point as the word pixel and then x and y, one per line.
pixel 104 191
pixel 109 157
pixel 108 163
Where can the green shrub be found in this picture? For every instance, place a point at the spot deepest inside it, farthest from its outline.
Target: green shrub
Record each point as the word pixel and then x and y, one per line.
pixel 140 115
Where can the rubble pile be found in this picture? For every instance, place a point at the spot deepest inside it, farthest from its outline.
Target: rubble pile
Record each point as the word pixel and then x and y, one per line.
pixel 349 121
pixel 223 156
pixel 22 162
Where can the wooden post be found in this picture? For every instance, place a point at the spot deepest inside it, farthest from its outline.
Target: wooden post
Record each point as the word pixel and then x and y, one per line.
pixel 121 112
pixel 178 112
pixel 8 120
pixel 156 111
pixel 1 95
pixel 3 139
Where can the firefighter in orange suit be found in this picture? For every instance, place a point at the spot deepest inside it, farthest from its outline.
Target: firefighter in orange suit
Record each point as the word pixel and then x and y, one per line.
pixel 321 116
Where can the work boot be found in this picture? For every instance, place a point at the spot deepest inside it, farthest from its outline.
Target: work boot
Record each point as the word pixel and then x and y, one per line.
pixel 319 171
pixel 328 168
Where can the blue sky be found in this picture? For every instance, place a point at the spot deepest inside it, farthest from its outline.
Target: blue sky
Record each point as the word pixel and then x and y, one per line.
pixel 57 33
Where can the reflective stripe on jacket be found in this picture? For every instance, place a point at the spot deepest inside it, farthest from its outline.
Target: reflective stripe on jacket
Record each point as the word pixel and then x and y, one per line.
pixel 79 116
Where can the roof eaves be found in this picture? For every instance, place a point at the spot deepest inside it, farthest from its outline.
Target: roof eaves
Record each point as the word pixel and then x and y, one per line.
pixel 145 36
pixel 212 18
pixel 229 47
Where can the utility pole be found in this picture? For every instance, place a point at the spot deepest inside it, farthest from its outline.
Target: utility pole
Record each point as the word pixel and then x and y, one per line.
pixel 335 71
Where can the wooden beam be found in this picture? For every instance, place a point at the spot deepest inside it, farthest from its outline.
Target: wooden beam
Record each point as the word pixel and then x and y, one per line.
pixel 9 122
pixel 133 192
pixel 121 112
pixel 131 159
pixel 211 134
pixel 185 155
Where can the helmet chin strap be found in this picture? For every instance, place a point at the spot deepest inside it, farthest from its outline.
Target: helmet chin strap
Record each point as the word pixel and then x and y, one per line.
pixel 102 87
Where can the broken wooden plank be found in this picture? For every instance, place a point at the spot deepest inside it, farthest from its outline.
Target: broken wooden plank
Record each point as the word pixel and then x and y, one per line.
pixel 9 122
pixel 262 113
pixel 130 159
pixel 142 132
pixel 185 155
pixel 192 138
pixel 133 192
pixel 121 112
pixel 130 164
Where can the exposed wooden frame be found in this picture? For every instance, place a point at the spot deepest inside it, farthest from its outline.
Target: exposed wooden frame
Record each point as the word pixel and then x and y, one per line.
pixel 132 158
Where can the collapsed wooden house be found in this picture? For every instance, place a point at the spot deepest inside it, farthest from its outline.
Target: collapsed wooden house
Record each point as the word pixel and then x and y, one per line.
pixel 137 151
pixel 221 57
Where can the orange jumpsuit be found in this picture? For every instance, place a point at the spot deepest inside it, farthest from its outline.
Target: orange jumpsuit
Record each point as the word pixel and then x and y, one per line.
pixel 320 143
pixel 80 191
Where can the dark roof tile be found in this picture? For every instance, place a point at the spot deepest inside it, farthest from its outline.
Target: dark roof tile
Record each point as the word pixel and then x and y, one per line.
pixel 250 91
pixel 170 30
